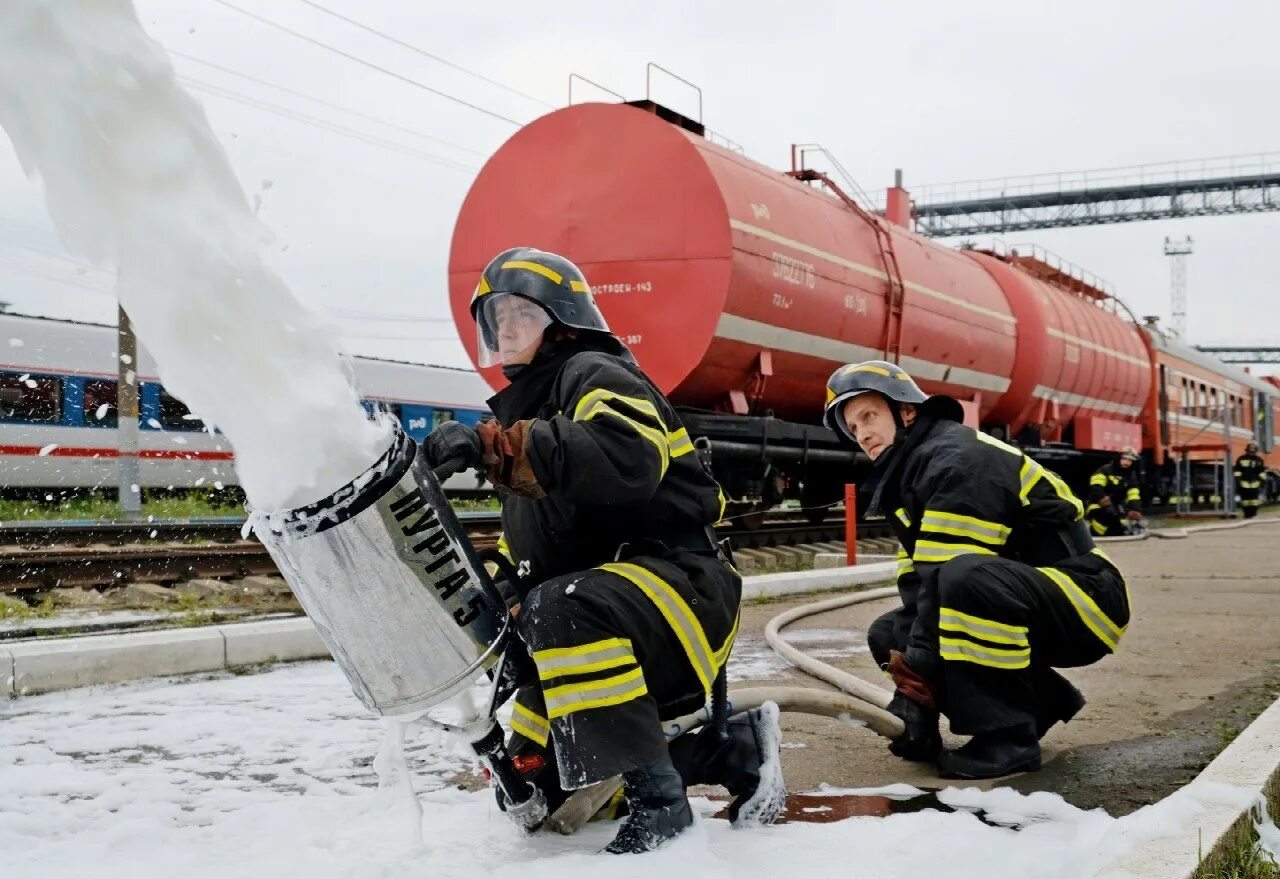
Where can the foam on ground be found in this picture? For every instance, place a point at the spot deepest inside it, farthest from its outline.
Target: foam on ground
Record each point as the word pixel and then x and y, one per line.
pixel 270 775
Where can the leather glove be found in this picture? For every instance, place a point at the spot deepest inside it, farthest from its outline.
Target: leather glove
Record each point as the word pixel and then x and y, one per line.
pixel 452 448
pixel 908 682
pixel 920 741
pixel 1135 515
pixel 504 459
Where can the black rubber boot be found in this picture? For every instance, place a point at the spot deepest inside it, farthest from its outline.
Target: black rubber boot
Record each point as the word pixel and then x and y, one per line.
pixel 657 809
pixel 993 754
pixel 745 763
pixel 920 742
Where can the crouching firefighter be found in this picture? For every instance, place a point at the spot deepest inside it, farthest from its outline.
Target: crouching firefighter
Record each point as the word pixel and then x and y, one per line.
pixel 627 605
pixel 999 578
pixel 1114 503
pixel 1249 472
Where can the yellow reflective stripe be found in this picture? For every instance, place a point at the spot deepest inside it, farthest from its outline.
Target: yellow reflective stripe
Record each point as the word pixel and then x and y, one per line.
pixel 679 443
pixel 722 655
pixel 1098 527
pixel 905 565
pixel 1002 446
pixel 878 370
pixel 1133 494
pixel 1097 621
pixel 483 287
pixel 1098 479
pixel 578 287
pixel 533 727
pixel 572 698
pixel 560 661
pixel 901 513
pixel 1028 476
pixel 933 551
pixel 1062 491
pixel 1098 552
pixel 965 526
pixel 977 627
pixel 505 548
pixel 723 503
pixel 677 614
pixel 555 277
pixel 653 435
pixel 591 398
pixel 957 650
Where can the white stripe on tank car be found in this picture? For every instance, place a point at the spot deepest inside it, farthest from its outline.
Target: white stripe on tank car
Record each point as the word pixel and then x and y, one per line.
pixel 878 274
pixel 754 332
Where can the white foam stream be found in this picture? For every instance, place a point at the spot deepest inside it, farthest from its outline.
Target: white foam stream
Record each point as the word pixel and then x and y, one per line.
pixel 135 179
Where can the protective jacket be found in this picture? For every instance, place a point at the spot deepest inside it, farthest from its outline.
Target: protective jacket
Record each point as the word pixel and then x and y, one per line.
pixel 1121 486
pixel 1250 473
pixel 998 576
pixel 614 463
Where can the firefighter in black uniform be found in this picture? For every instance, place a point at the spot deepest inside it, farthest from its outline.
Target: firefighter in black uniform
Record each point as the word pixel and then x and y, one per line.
pixel 1250 471
pixel 628 607
pixel 999 578
pixel 1115 499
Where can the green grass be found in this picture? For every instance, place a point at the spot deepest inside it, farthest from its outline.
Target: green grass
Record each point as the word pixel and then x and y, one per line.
pixel 1237 856
pixel 96 506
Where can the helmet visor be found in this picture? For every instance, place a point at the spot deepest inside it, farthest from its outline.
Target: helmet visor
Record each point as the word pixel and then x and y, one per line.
pixel 509 329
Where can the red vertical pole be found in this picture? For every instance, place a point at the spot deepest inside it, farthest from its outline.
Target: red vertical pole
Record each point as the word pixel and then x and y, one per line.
pixel 850 524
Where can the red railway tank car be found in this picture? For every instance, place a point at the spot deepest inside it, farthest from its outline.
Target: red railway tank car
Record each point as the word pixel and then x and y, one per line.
pixel 740 288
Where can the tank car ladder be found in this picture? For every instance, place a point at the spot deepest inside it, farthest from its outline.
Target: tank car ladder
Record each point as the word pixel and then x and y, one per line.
pixel 895 287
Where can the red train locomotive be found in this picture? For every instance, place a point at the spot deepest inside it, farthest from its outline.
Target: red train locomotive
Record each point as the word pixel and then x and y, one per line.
pixel 739 288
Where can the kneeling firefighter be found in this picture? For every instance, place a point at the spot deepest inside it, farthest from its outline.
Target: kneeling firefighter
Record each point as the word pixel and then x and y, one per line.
pixel 626 603
pixel 999 578
pixel 1115 498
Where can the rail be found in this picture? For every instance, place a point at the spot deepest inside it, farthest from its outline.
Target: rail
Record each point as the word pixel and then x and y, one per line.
pixel 36 556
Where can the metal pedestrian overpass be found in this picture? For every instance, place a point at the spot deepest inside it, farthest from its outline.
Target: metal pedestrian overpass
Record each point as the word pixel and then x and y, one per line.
pixel 1197 188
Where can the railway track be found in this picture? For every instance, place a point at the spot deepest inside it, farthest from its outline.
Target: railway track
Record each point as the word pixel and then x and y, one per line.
pixel 36 556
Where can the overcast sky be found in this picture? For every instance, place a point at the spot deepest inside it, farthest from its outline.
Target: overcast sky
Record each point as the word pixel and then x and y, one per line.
pixel 364 207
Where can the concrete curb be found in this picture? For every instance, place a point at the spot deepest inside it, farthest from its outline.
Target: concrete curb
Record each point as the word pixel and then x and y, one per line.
pixel 823 580
pixel 31 667
pixel 61 664
pixel 1250 762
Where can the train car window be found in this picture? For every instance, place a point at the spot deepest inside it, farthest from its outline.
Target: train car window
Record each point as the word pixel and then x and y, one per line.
pixel 27 398
pixel 174 414
pixel 440 416
pixel 100 404
pixel 393 409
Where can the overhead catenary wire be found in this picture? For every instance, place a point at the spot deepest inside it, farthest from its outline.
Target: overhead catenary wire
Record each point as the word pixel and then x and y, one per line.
pixel 323 124
pixel 366 63
pixel 424 53
pixel 322 102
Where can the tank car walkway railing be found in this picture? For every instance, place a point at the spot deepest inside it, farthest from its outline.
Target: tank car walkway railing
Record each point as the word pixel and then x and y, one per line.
pixel 1198 188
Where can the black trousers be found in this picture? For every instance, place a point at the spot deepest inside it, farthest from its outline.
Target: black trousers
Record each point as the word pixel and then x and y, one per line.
pixel 1249 500
pixel 1003 627
pixel 1107 522
pixel 618 649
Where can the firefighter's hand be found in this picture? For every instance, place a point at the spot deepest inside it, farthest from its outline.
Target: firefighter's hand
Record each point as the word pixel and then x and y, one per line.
pixel 909 683
pixel 505 459
pixel 920 740
pixel 452 448
pixel 1135 515
pixel 1104 501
